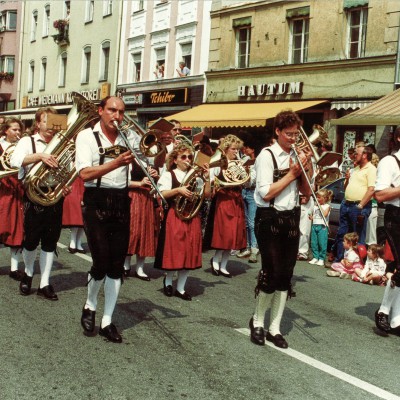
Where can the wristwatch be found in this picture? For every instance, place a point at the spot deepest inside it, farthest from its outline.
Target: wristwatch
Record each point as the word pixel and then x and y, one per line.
pixel 359 206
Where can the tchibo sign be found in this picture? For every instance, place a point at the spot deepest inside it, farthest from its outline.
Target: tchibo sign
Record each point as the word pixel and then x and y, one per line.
pixel 270 89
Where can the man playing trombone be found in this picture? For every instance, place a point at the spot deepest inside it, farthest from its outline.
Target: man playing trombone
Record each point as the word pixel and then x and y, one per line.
pixel 280 176
pixel 102 161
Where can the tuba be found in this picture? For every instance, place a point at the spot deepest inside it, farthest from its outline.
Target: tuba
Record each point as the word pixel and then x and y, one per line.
pixel 5 165
pixel 44 185
pixel 327 173
pixel 187 207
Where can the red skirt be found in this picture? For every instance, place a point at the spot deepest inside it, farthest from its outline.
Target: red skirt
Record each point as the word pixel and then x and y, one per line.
pixel 72 208
pixel 145 224
pixel 11 212
pixel 229 221
pixel 180 244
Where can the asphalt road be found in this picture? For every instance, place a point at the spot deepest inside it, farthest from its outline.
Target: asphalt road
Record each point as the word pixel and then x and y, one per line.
pixel 174 349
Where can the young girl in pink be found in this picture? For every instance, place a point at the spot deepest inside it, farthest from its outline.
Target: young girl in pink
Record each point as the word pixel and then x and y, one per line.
pixel 374 269
pixel 351 260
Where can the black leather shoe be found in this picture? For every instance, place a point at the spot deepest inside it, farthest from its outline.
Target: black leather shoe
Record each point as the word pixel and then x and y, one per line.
pixel 81 251
pixel 25 285
pixel 16 275
pixel 278 340
pixel 183 296
pixel 225 275
pixel 72 250
pixel 213 270
pixel 168 290
pixel 257 335
pixel 88 320
pixel 127 273
pixel 47 292
pixel 381 321
pixel 110 333
pixel 143 278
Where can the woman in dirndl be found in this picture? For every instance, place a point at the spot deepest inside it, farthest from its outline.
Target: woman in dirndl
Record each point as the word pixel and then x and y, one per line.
pixel 11 194
pixel 145 220
pixel 180 243
pixel 229 231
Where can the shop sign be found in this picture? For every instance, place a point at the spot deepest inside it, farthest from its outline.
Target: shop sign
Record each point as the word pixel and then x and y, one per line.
pixel 166 97
pixel 61 98
pixel 133 98
pixel 270 89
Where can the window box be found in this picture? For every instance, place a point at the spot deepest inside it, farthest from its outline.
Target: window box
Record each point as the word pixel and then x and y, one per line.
pixel 6 76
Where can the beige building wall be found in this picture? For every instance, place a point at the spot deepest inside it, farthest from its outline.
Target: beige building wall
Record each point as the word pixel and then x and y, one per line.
pixel 83 31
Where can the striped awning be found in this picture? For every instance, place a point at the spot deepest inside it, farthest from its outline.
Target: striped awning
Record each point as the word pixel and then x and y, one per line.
pixel 350 104
pixel 385 111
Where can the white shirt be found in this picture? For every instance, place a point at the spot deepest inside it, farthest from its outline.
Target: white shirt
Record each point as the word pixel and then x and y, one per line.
pixel 377 265
pixel 351 255
pixel 388 174
pixel 264 166
pixel 23 149
pixel 87 155
pixel 317 217
pixel 165 181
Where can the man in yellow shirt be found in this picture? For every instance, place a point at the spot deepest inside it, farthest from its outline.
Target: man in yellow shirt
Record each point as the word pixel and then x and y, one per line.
pixel 356 206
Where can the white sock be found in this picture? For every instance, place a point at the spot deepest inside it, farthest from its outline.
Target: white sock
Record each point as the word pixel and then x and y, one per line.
pixel 395 312
pixel 225 257
pixel 79 235
pixel 216 258
pixel 277 308
pixel 14 253
pixel 111 290
pixel 93 291
pixel 29 261
pixel 140 265
pixel 388 298
pixel 46 264
pixel 182 277
pixel 127 263
pixel 168 278
pixel 72 241
pixel 263 301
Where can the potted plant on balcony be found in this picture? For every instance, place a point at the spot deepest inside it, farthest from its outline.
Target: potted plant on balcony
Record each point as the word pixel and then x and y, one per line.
pixel 62 26
pixel 6 76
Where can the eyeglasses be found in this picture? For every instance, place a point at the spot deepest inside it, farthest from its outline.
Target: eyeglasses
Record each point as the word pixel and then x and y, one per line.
pixel 184 157
pixel 292 135
pixel 177 129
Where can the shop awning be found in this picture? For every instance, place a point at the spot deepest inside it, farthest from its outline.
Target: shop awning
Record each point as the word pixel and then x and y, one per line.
pixel 385 111
pixel 238 114
pixel 353 104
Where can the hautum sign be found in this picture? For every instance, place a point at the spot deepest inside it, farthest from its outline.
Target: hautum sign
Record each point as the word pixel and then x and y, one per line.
pixel 270 89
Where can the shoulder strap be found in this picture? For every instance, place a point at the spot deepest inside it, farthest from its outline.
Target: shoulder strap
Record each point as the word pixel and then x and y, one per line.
pixel 275 174
pixel 101 152
pixel 33 144
pixel 397 160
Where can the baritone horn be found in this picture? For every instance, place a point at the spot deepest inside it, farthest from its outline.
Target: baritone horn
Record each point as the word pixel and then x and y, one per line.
pixel 5 165
pixel 43 184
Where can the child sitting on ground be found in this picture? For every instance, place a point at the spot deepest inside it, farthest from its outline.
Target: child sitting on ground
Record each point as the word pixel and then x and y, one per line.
pixel 374 269
pixel 351 259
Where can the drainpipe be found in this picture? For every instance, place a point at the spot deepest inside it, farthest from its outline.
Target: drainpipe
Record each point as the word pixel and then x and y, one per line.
pixel 396 72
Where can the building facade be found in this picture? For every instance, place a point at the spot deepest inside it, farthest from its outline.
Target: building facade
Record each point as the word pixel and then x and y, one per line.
pixel 157 35
pixel 343 52
pixel 10 36
pixel 68 46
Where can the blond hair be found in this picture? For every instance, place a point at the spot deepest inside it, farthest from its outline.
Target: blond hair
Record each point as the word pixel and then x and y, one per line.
pixel 352 238
pixel 173 155
pixel 326 194
pixel 229 140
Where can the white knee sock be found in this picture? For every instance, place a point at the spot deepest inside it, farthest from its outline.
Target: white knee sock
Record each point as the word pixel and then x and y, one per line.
pixel 277 308
pixel 140 265
pixel 46 264
pixel 216 259
pixel 263 301
pixel 29 261
pixel 224 260
pixel 14 253
pixel 93 292
pixel 395 311
pixel 72 240
pixel 168 278
pixel 127 263
pixel 111 290
pixel 79 236
pixel 182 277
pixel 388 298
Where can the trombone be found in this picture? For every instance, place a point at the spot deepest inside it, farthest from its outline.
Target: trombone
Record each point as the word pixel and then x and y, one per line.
pixel 122 132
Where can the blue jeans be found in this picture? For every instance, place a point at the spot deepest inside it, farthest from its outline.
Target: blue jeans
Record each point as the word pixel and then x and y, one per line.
pixel 351 219
pixel 250 208
pixel 319 241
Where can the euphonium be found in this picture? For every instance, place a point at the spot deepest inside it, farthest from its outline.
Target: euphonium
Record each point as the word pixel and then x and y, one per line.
pixel 44 185
pixel 5 165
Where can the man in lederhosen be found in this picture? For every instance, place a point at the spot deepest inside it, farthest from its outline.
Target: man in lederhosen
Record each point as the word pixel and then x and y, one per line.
pixel 102 161
pixel 279 179
pixel 42 224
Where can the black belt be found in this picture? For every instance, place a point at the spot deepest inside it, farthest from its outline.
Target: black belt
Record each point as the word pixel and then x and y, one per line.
pixel 352 202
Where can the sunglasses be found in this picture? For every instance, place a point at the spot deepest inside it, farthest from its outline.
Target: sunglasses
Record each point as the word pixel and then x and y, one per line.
pixel 184 157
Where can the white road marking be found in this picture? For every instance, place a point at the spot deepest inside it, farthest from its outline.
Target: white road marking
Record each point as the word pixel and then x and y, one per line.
pixel 383 394
pixel 84 256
